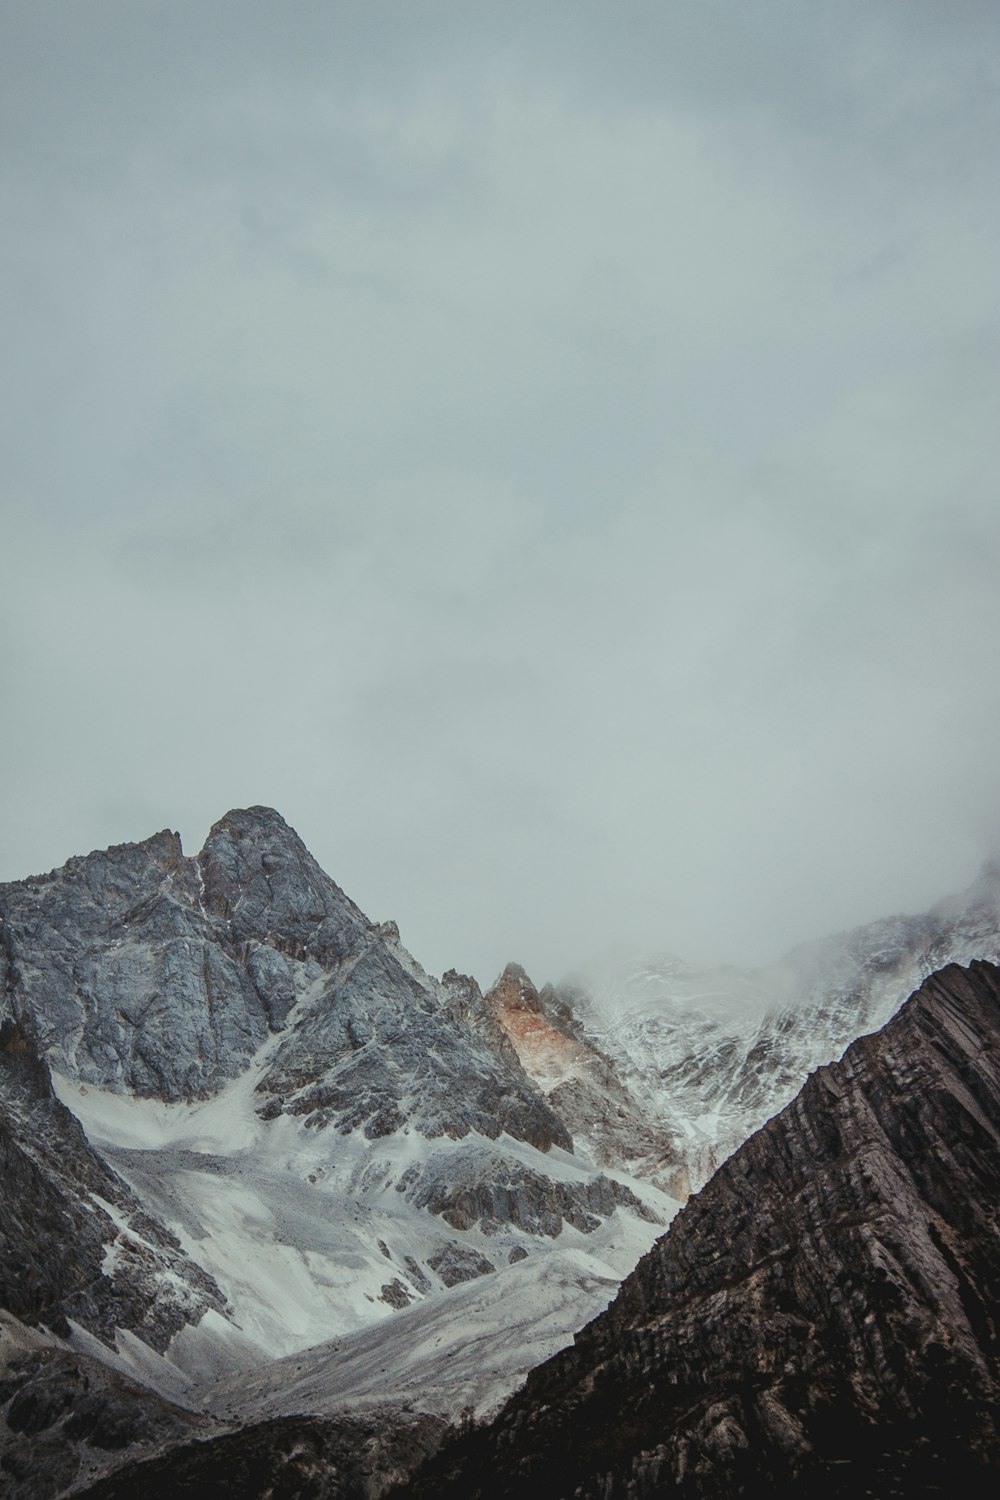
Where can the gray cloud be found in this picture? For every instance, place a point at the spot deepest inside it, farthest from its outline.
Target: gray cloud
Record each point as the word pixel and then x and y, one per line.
pixel 548 452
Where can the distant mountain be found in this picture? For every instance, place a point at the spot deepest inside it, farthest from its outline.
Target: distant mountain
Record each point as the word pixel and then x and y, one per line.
pixel 821 1320
pixel 712 1054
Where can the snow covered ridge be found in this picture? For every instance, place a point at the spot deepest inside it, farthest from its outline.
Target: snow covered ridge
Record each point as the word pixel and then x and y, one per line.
pixel 713 1054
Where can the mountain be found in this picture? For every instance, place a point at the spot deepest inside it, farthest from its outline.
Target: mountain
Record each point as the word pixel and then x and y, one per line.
pixel 821 1319
pixel 75 1241
pixel 262 1174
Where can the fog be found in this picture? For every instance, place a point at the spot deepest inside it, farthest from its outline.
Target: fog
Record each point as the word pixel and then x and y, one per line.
pixel 547 452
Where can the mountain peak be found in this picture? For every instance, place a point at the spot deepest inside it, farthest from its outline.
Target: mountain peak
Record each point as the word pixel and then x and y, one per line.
pixel 259 876
pixel 257 820
pixel 514 989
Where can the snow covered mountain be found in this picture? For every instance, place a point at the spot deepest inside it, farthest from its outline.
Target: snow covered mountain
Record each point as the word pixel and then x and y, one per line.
pixel 264 1169
pixel 240 1121
pixel 582 1085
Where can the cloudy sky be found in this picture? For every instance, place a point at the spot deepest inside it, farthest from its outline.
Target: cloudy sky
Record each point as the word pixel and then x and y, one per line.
pixel 549 451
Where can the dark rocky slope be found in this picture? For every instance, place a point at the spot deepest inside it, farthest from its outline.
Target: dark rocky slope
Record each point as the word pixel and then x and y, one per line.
pixel 822 1319
pixel 75 1242
pixel 66 1418
pixel 292 1458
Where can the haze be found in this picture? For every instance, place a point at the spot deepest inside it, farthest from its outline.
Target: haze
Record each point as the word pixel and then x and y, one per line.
pixel 548 452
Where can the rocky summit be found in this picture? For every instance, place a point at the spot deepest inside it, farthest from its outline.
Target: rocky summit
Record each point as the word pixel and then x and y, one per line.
pixel 279 1207
pixel 582 1084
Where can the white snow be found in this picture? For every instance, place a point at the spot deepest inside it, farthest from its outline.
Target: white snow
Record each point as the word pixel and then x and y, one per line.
pixel 224 1123
pixel 289 1221
pixel 470 1346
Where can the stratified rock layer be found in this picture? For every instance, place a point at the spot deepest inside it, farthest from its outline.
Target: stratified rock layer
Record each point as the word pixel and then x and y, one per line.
pixel 822 1319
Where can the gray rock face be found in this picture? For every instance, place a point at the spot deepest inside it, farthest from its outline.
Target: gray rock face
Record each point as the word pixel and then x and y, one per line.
pixel 820 1320
pixel 379 1051
pixel 466 1004
pixel 262 882
pixel 457 1263
pixel 150 973
pixel 394 1294
pixel 490 1192
pixel 127 982
pixel 147 972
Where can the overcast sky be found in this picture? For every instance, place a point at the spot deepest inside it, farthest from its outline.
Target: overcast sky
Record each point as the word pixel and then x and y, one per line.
pixel 549 451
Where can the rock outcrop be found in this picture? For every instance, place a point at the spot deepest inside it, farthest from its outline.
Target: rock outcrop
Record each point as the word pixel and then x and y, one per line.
pixel 129 982
pixel 581 1084
pixel 494 1194
pixel 821 1319
pixel 261 882
pixel 354 1457
pixel 65 1417
pixel 378 1051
